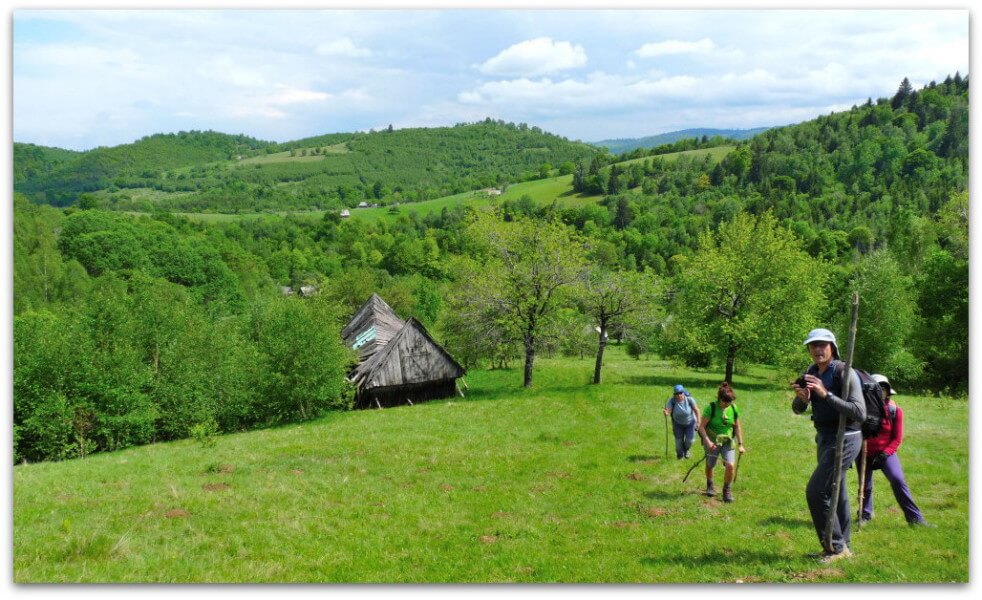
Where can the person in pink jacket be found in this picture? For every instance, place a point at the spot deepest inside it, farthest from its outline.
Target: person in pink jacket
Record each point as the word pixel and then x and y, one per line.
pixel 881 455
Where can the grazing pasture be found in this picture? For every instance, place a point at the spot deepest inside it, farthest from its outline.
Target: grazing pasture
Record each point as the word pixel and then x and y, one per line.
pixel 563 482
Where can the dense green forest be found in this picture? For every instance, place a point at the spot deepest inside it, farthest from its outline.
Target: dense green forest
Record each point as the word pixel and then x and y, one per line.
pixel 196 171
pixel 131 329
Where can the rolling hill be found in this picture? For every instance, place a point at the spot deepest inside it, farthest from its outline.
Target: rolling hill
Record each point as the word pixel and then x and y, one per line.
pixel 621 145
pixel 198 171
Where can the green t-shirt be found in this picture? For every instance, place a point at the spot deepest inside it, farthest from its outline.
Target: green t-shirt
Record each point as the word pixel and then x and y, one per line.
pixel 720 420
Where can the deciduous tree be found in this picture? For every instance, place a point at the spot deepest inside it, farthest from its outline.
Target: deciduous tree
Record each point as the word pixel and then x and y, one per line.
pixel 523 268
pixel 749 290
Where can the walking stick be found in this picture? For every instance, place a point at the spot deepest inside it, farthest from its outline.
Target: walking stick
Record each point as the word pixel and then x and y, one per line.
pixel 694 465
pixel 840 433
pixel 862 486
pixel 736 470
pixel 666 434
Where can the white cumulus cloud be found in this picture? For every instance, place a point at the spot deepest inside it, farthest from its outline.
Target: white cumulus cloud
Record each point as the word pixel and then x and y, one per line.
pixel 535 57
pixel 289 95
pixel 650 50
pixel 342 47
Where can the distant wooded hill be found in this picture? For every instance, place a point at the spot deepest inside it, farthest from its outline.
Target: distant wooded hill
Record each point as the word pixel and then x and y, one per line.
pixel 619 146
pixel 215 171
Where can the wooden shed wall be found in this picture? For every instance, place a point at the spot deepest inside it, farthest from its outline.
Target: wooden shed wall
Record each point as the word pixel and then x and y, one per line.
pixel 400 394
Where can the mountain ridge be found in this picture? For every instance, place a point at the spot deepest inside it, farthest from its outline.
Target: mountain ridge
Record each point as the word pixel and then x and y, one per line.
pixel 619 145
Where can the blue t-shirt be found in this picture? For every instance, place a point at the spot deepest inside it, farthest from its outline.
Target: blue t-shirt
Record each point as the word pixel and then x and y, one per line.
pixel 682 412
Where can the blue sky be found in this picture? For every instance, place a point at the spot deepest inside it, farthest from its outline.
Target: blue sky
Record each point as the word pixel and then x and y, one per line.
pixel 88 78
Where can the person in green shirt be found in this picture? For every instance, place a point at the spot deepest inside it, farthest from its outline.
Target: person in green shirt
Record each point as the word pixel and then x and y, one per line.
pixel 719 426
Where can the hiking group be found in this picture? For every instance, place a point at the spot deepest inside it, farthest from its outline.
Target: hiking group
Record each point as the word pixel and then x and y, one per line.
pixel 853 419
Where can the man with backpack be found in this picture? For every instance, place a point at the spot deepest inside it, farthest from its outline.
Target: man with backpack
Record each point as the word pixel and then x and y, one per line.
pixel 881 450
pixel 822 387
pixel 685 415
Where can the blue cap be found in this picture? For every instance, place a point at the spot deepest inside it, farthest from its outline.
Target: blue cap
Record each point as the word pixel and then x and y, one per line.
pixel 679 389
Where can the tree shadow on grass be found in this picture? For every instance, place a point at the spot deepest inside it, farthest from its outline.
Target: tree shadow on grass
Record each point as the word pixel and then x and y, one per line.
pixel 797 523
pixel 711 381
pixel 669 495
pixel 720 556
pixel 643 458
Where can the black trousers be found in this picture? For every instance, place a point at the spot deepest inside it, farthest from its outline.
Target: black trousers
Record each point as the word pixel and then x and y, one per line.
pixel 819 490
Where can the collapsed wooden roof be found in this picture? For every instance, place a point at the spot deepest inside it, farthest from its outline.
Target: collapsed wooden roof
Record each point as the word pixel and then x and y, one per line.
pixel 394 352
pixel 372 327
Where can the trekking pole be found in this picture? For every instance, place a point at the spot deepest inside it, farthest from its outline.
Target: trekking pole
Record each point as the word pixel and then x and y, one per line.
pixel 862 486
pixel 840 433
pixel 666 434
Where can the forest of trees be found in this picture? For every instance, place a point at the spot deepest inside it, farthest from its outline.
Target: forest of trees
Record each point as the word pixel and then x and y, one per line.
pixel 208 171
pixel 133 329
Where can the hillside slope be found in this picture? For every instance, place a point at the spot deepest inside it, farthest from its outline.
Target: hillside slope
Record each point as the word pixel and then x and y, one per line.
pixel 211 171
pixel 564 483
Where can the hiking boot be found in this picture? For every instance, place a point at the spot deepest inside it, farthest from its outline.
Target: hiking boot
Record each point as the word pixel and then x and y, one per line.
pixel 923 523
pixel 829 558
pixel 710 490
pixel 727 495
pixel 687 454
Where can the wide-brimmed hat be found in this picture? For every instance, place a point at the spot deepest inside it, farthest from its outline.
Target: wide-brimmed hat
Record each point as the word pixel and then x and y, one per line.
pixel 882 380
pixel 823 335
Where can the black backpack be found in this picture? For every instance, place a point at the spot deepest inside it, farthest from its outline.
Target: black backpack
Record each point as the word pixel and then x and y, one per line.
pixel 876 403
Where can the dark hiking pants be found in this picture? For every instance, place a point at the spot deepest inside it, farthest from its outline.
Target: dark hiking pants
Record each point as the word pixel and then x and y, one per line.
pixel 819 490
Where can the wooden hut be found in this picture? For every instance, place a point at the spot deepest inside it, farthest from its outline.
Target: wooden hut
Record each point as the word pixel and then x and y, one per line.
pixel 399 362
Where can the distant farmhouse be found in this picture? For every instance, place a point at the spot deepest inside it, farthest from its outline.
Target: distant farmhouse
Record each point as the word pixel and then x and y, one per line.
pixel 305 291
pixel 399 363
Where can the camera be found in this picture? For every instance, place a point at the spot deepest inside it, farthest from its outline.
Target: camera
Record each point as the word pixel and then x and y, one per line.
pixel 801 382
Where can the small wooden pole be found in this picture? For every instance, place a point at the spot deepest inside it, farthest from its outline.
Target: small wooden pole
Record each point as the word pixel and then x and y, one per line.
pixel 862 486
pixel 841 432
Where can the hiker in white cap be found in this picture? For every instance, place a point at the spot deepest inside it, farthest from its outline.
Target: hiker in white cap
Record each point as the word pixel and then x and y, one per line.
pixel 883 449
pixel 821 387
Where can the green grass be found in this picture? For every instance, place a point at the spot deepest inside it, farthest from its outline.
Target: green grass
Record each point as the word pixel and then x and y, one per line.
pixel 226 217
pixel 542 191
pixel 280 157
pixel 565 482
pixel 716 153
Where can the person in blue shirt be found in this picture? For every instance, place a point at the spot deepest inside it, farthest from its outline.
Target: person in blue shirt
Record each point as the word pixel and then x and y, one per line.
pixel 685 415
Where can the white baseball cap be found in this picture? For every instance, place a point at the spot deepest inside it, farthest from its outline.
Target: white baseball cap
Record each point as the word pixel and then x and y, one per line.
pixel 880 379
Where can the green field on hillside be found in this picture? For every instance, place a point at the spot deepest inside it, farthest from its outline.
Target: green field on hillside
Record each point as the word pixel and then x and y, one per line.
pixel 564 482
pixel 285 156
pixel 542 191
pixel 716 153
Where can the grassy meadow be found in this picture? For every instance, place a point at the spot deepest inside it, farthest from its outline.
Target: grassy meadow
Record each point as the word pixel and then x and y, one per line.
pixel 564 482
pixel 542 191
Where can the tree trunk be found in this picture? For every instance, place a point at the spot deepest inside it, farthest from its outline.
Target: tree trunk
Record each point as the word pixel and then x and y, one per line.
pixel 600 354
pixel 529 359
pixel 730 358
